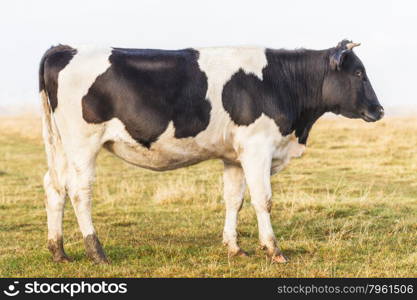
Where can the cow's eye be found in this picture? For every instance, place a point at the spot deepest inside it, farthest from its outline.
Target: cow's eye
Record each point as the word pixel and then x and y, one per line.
pixel 358 73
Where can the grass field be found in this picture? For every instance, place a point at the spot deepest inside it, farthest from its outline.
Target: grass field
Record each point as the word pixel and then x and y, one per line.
pixel 347 208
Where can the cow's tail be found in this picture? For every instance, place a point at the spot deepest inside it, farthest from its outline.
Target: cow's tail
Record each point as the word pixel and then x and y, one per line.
pixel 50 132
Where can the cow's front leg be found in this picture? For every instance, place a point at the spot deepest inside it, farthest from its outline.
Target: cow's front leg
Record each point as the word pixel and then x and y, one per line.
pixel 256 163
pixel 233 192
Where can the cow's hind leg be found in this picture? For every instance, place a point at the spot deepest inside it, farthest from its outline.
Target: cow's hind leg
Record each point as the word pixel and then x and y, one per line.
pixel 256 163
pixel 234 189
pixel 55 202
pixel 82 171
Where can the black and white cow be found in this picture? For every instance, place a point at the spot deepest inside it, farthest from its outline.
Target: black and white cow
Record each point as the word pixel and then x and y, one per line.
pixel 253 108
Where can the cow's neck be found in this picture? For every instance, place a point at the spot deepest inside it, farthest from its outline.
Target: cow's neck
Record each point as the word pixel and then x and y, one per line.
pixel 296 79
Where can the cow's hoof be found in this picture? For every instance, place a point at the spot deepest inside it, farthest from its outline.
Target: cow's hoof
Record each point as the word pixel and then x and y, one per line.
pixel 276 256
pixel 100 260
pixel 238 253
pixel 56 247
pixel 62 259
pixel 279 258
pixel 94 249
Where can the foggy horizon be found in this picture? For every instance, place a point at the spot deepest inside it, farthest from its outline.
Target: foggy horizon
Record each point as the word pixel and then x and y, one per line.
pixel 384 30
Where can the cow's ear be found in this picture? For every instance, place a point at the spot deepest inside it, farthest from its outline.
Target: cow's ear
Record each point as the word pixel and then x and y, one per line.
pixel 336 59
pixel 340 52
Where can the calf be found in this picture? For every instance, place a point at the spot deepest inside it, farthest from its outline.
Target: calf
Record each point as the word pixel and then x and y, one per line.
pixel 252 108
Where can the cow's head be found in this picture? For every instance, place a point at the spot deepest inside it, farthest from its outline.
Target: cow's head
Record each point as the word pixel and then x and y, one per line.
pixel 346 87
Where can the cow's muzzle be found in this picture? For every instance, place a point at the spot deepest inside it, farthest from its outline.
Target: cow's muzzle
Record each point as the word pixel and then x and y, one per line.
pixel 375 113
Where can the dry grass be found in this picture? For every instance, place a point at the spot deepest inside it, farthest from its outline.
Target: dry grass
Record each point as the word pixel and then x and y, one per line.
pixel 348 208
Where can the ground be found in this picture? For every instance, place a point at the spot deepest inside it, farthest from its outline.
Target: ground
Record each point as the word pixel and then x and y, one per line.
pixel 347 208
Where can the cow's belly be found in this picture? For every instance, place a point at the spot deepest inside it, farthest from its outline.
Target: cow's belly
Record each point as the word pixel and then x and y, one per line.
pixel 288 148
pixel 166 153
pixel 158 157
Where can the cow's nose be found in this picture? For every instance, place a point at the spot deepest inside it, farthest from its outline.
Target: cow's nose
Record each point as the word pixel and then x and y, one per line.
pixel 374 113
pixel 380 111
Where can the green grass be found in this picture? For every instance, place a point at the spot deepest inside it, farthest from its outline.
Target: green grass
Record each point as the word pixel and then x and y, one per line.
pixel 348 208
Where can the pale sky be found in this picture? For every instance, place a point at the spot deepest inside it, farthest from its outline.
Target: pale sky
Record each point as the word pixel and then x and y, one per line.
pixel 386 29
